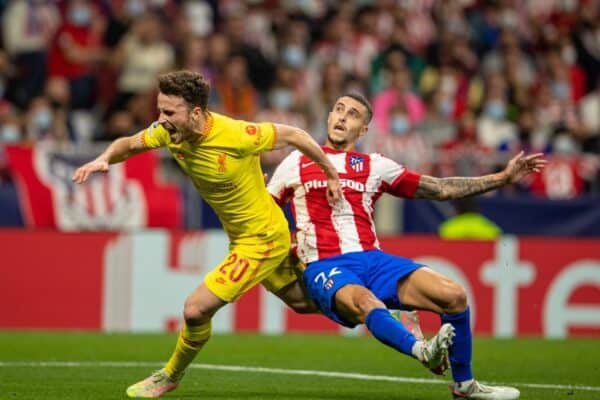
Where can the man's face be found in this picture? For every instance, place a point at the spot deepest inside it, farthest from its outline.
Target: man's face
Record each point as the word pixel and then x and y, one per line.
pixel 346 123
pixel 176 118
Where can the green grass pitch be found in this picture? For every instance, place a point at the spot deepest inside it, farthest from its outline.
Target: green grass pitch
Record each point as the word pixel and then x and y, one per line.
pixel 292 367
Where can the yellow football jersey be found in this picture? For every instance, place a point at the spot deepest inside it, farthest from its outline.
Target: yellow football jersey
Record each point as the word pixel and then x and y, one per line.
pixel 225 169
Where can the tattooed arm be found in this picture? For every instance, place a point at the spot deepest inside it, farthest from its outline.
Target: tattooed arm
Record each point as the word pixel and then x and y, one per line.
pixel 458 187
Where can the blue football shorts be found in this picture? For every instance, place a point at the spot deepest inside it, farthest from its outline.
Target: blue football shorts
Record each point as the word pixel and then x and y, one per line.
pixel 378 271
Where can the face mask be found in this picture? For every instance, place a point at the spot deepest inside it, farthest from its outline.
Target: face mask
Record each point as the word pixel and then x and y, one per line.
pixel 43 119
pixel 281 99
pixel 448 84
pixel 293 56
pixel 564 145
pixel 399 125
pixel 135 8
pixel 199 17
pixel 495 110
pixel 445 108
pixel 560 90
pixel 10 134
pixel 569 55
pixel 80 16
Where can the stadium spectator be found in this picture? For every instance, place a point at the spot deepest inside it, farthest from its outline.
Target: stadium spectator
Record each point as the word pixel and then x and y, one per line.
pixel 547 54
pixel 44 123
pixel 140 56
pixel 399 91
pixel 465 155
pixel 76 49
pixel 403 143
pixel 220 156
pixel 234 94
pixel 27 28
pixel 437 126
pixel 350 279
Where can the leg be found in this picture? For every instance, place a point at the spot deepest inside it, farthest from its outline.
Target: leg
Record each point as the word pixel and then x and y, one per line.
pixel 199 308
pixel 357 304
pixel 286 283
pixel 426 289
pixel 198 311
pixel 242 269
pixel 296 297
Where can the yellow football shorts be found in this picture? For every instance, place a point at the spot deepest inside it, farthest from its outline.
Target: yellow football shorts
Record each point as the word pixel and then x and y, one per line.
pixel 246 265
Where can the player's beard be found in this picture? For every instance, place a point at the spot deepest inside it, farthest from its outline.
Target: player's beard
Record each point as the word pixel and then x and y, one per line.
pixel 181 133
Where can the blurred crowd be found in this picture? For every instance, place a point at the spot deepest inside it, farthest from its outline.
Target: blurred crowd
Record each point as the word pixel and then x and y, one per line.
pixel 457 86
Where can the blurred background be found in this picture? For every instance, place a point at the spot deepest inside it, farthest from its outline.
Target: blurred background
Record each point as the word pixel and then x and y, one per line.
pixel 457 88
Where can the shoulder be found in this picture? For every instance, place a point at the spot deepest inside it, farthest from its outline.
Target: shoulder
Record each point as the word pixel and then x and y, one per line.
pixel 378 159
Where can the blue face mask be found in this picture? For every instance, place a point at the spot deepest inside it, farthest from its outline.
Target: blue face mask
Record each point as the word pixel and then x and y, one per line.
pixel 445 108
pixel 135 8
pixel 560 90
pixel 80 16
pixel 43 119
pixel 495 110
pixel 399 125
pixel 10 134
pixel 281 99
pixel 293 56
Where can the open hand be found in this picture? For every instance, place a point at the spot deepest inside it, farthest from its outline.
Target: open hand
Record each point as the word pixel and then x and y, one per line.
pixel 82 173
pixel 520 166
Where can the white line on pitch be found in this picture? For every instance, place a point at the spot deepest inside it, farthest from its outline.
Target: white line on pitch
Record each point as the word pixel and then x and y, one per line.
pixel 281 371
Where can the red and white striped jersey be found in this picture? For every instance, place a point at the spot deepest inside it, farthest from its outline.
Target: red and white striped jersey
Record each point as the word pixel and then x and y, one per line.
pixel 324 231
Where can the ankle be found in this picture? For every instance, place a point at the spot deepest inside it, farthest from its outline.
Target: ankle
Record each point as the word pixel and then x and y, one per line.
pixel 417 350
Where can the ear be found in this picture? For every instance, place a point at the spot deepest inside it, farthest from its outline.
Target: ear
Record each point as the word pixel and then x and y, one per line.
pixel 364 130
pixel 196 113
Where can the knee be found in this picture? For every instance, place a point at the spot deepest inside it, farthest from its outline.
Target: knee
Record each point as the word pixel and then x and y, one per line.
pixel 195 313
pixel 456 298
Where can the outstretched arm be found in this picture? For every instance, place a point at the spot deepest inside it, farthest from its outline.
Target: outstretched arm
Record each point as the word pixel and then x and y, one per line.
pixel 119 150
pixel 457 187
pixel 300 139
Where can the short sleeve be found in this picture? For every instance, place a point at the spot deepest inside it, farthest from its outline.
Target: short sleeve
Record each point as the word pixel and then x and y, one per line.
pixel 155 136
pixel 256 137
pixel 397 180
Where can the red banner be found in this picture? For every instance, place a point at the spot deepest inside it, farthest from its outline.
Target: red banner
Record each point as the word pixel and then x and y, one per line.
pixel 139 281
pixel 128 196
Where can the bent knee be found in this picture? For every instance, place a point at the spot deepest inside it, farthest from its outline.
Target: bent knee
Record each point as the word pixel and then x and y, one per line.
pixel 195 313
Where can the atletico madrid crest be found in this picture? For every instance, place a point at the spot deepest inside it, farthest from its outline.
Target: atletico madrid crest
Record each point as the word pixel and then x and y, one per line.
pixel 357 163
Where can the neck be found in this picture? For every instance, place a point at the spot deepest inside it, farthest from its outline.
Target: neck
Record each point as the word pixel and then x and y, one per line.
pixel 199 129
pixel 340 146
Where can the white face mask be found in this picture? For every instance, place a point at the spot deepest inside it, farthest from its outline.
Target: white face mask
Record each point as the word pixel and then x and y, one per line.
pixel 569 55
pixel 10 134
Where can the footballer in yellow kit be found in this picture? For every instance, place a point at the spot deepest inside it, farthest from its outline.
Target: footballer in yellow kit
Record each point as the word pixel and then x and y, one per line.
pixel 221 156
pixel 225 169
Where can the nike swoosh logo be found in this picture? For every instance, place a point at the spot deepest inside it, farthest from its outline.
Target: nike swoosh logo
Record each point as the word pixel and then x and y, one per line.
pixel 308 164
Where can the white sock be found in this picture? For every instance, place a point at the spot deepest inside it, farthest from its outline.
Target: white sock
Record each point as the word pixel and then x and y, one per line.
pixel 417 350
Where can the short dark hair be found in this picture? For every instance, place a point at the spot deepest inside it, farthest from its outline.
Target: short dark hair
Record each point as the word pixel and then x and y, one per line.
pixel 190 86
pixel 362 100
